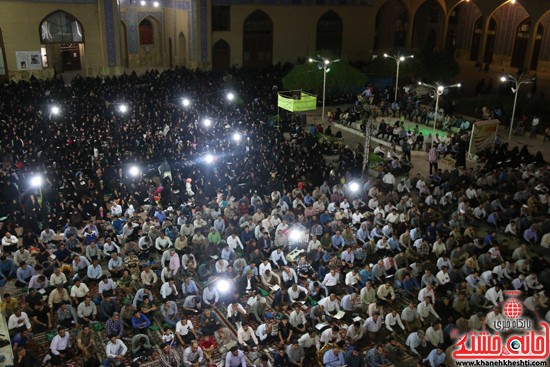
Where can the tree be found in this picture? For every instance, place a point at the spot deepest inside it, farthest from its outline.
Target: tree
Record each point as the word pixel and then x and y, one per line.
pixel 342 77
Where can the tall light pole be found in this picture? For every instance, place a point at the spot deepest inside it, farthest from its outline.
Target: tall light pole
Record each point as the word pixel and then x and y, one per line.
pixel 324 64
pixel 439 90
pixel 519 81
pixel 398 60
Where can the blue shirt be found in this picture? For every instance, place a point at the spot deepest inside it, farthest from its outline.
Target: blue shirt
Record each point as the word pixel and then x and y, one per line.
pixel 375 359
pixel 410 285
pixel 331 360
pixel 325 218
pixel 23 274
pixel 161 216
pixel 435 359
pixel 337 241
pixel 190 288
pixel 366 275
pixel 136 322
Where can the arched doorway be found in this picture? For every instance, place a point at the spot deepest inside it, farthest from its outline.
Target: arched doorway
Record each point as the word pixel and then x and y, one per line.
pixel 476 39
pixel 491 39
pixel 428 24
pixel 124 44
pixel 182 50
pixel 329 33
pixel 520 43
pixel 536 47
pixel 150 42
pixel 257 40
pixel 3 61
pixel 221 53
pixel 450 43
pixel 391 26
pixel 62 35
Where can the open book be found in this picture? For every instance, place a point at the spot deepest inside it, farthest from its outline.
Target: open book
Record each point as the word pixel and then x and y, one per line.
pixel 339 315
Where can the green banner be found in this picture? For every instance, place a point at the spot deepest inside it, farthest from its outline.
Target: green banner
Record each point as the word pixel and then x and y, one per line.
pixel 290 102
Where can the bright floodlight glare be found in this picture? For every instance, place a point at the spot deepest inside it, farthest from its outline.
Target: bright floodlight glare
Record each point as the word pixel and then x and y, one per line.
pixel 402 58
pixel 354 187
pixel 327 62
pixel 459 85
pixel 440 88
pixel 156 4
pixel 36 181
pixel 123 108
pixel 186 102
pixel 295 235
pixel 237 137
pixel 209 158
pixel 207 122
pixel 223 285
pixel 55 110
pixel 134 171
pixel 310 59
pixel 230 96
pixel 503 79
pixel 143 3
pixel 385 55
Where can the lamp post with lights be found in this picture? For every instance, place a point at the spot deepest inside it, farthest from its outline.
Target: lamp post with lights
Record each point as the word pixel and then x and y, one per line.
pixel 398 60
pixel 439 90
pixel 519 81
pixel 324 64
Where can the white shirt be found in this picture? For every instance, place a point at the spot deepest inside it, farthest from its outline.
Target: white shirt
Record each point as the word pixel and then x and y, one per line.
pixel 443 278
pixel 392 320
pixel 183 329
pixel 263 267
pixel 166 290
pixel 493 296
pixel 234 243
pixel 330 306
pixel 331 280
pixel 60 344
pixel 117 348
pixel 425 293
pixel 276 256
pixel 13 321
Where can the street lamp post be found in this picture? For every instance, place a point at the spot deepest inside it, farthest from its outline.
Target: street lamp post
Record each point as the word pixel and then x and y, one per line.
pixel 439 90
pixel 325 65
pixel 519 81
pixel 398 60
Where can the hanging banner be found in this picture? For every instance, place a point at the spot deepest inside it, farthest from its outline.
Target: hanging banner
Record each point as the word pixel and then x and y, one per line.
pixel 484 134
pixel 296 101
pixel 28 60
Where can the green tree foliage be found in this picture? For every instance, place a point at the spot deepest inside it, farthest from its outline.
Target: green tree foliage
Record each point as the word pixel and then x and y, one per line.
pixel 341 77
pixel 428 66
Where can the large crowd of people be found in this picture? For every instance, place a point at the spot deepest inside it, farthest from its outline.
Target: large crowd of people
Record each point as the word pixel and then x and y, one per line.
pixel 143 232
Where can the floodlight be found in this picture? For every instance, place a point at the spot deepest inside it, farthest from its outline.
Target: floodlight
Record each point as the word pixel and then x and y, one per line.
pixel 143 3
pixel 440 88
pixel 354 187
pixel 209 158
pixel 37 181
pixel 185 102
pixel 237 137
pixel 402 58
pixel 55 110
pixel 503 79
pixel 123 108
pixel 230 96
pixel 295 235
pixel 134 171
pixel 156 4
pixel 223 285
pixel 207 122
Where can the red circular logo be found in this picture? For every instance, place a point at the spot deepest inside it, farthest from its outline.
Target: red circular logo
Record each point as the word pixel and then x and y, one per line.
pixel 512 309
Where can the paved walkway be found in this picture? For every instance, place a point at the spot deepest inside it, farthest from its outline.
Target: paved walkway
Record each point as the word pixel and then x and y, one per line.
pixel 353 136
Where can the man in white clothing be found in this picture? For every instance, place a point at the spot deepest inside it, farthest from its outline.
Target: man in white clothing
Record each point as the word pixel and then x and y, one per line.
pixel 115 351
